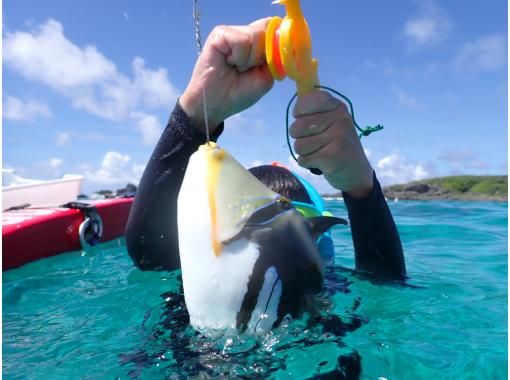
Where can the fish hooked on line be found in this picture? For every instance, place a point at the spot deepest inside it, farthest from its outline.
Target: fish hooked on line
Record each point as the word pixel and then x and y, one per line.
pixel 248 257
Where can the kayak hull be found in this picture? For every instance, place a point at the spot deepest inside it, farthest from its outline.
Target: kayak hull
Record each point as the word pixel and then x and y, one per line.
pixel 34 233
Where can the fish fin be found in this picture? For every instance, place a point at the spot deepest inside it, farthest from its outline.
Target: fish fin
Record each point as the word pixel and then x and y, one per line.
pixel 321 224
pixel 260 218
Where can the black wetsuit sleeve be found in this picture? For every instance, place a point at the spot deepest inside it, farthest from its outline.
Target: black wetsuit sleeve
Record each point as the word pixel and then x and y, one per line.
pixel 377 245
pixel 151 231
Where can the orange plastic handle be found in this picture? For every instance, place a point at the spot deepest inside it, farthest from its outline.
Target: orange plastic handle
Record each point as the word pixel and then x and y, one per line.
pixel 289 48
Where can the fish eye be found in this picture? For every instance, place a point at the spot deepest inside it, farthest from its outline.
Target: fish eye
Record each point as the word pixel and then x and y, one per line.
pixel 284 203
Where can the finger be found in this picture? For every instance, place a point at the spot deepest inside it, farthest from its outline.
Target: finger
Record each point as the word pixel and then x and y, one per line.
pixel 265 79
pixel 311 125
pixel 310 161
pixel 232 45
pixel 238 42
pixel 260 24
pixel 315 102
pixel 242 46
pixel 322 159
pixel 256 54
pixel 258 30
pixel 310 145
pixel 257 80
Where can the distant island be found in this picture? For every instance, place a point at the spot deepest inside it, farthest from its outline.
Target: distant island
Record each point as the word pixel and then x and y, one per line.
pixel 461 187
pixel 465 187
pixel 468 188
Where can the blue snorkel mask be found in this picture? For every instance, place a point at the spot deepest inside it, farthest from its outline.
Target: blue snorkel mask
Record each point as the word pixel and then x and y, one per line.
pixel 316 209
pixel 320 220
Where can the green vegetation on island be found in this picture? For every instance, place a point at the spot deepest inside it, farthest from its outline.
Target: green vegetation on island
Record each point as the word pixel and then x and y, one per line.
pixel 463 187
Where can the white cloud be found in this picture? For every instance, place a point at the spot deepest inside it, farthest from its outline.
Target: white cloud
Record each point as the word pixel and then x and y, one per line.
pixel 316 181
pixel 115 169
pixel 236 121
pixel 47 56
pixel 63 139
pixel 153 86
pixel 24 110
pixel 484 54
pixel 430 27
pixel 405 99
pixel 149 126
pixel 55 162
pixel 394 168
pixel 462 160
pixel 245 122
pixel 89 79
pixel 420 30
pixel 51 168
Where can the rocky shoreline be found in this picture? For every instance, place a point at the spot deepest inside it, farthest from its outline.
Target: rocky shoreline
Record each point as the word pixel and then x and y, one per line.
pixel 424 191
pixel 454 188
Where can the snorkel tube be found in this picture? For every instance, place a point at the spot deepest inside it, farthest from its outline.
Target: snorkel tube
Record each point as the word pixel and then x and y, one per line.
pixel 289 48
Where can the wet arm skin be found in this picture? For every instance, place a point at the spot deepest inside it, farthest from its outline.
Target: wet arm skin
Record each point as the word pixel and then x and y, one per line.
pixel 377 245
pixel 151 232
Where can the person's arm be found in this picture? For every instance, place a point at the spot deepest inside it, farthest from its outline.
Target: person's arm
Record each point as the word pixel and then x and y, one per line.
pixel 230 75
pixel 151 232
pixel 377 245
pixel 326 139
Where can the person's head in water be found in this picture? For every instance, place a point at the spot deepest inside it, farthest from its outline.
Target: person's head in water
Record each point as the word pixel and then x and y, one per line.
pixel 305 198
pixel 282 181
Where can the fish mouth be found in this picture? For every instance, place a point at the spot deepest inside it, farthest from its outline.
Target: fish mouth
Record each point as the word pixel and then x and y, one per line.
pixel 210 146
pixel 259 217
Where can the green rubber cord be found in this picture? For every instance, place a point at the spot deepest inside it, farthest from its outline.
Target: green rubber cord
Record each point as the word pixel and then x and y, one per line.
pixel 362 131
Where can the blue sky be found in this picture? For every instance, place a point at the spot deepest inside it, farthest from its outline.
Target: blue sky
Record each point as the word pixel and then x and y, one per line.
pixel 88 85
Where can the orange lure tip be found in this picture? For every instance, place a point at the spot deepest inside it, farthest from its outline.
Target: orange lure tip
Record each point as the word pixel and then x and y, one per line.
pixel 289 48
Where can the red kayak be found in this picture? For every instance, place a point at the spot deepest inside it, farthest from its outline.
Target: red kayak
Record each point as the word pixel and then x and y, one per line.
pixel 30 234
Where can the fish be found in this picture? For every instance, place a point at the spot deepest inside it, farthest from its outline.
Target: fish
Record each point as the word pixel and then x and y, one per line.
pixel 248 257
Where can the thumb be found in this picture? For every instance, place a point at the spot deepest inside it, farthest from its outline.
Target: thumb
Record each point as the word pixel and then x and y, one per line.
pixel 260 24
pixel 315 102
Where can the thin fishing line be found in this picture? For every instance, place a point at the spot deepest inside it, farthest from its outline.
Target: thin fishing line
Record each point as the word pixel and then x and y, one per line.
pixel 198 40
pixel 362 131
pixel 207 138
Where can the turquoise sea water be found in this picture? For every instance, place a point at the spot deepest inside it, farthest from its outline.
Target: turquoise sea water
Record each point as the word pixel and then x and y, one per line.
pixel 91 315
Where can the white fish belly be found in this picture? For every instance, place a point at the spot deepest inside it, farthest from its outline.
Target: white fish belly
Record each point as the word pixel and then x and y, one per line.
pixel 214 286
pixel 265 312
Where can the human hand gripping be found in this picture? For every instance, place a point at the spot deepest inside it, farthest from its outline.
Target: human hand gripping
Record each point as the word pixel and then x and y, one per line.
pixel 326 139
pixel 233 72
